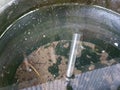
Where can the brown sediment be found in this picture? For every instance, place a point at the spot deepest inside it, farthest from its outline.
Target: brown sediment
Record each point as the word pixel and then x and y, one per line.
pixel 41 59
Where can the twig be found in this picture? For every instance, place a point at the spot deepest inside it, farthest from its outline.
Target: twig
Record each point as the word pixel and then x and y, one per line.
pixel 35 71
pixel 27 64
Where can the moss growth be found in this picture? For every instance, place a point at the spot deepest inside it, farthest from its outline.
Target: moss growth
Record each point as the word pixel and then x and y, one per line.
pixel 88 56
pixel 54 69
pixel 113 51
pixel 61 50
pixel 59 61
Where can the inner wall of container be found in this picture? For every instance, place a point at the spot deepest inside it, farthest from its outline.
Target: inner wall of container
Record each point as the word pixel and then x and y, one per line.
pixel 55 23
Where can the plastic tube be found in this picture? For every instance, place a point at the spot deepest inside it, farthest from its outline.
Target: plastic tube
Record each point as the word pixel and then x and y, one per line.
pixel 72 56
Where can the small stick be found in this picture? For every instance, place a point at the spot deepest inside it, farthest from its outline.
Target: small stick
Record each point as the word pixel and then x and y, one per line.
pixel 35 71
pixel 27 64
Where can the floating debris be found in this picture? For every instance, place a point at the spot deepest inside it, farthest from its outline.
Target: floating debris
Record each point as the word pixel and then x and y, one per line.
pixel 91 67
pixel 44 36
pixel 116 44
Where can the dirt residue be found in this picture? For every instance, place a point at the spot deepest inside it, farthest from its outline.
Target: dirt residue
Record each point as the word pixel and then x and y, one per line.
pixel 44 65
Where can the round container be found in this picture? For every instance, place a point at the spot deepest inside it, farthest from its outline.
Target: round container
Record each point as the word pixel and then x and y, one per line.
pixel 99 29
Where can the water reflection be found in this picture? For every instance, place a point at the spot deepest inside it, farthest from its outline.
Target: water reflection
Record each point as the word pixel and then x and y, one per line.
pixel 45 34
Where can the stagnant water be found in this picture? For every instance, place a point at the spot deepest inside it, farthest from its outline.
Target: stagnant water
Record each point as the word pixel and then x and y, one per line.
pixel 55 23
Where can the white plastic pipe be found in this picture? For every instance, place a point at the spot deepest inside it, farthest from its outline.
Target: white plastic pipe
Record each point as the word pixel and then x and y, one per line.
pixel 73 53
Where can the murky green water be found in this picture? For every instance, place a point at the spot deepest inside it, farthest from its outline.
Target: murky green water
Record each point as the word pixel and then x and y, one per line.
pixel 56 23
